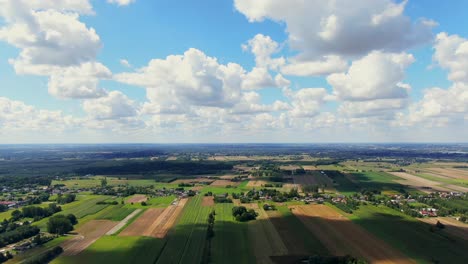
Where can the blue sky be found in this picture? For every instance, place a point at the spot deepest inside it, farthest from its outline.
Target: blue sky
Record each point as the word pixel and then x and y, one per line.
pixel 239 71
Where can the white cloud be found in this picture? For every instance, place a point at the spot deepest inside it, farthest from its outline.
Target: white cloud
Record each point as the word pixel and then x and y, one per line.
pixel 115 105
pixel 121 2
pixel 125 63
pixel 341 27
pixel 53 42
pixel 307 102
pixel 177 83
pixel 329 64
pixel 16 116
pixel 451 52
pixel 375 76
pixel 263 47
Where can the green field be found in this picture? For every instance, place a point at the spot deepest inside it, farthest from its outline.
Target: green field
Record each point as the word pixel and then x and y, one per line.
pixel 411 236
pixel 115 249
pixel 231 242
pixel 111 181
pixel 114 213
pixel 186 241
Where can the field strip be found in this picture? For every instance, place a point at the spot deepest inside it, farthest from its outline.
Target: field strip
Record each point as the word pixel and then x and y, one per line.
pixel 342 237
pixel 452 226
pixel 123 222
pixel 161 230
pixel 449 172
pixel 137 227
pixel 137 199
pixel 265 238
pixel 418 182
pixel 88 234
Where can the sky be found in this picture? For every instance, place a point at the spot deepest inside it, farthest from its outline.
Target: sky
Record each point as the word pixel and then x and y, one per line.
pixel 211 71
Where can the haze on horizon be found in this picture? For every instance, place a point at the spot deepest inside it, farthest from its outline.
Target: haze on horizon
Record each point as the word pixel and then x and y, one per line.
pixel 124 71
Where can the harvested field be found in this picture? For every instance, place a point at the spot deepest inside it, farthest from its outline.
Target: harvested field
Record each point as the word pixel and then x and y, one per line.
pixel 265 239
pixel 342 237
pixel 156 223
pixel 419 183
pixel 224 183
pixel 450 172
pixel 87 234
pixel 123 222
pixel 255 183
pixel 197 188
pixel 141 224
pixel 137 199
pixel 228 177
pixel 193 181
pixel 208 201
pixel 452 226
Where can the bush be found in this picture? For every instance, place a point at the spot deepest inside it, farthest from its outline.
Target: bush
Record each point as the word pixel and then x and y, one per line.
pixel 242 214
pixel 59 225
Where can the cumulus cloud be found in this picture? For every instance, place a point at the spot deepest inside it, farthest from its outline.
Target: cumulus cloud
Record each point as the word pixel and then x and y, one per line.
pixel 125 63
pixel 263 47
pixel 307 102
pixel 451 53
pixel 54 42
pixel 376 76
pixel 342 27
pixel 16 116
pixel 178 82
pixel 115 105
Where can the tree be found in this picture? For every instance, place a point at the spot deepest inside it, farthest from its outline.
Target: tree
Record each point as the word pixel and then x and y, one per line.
pixel 59 224
pixel 16 215
pixel 104 182
pixel 72 219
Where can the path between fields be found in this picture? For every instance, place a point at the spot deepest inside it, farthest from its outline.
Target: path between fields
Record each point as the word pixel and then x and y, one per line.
pixel 123 222
pixel 341 236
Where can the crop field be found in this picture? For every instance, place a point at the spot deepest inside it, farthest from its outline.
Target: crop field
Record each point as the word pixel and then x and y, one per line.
pixel 231 241
pixel 114 213
pixel 342 237
pixel 186 241
pixel 294 234
pixel 141 224
pixel 265 240
pixel 412 237
pixel 115 249
pixel 419 183
pixel 138 198
pixel 208 201
pixel 86 235
pixel 90 182
pixel 314 178
pixel 224 183
pixel 452 226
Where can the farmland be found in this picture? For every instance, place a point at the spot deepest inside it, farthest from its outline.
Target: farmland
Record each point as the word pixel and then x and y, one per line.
pixel 304 207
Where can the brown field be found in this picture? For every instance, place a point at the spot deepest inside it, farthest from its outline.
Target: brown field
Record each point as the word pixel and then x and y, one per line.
pixel 293 244
pixel 156 223
pixel 419 183
pixel 288 187
pixel 193 181
pixel 452 226
pixel 138 198
pixel 290 167
pixel 141 223
pixel 197 188
pixel 228 177
pixel 450 172
pixel 87 234
pixel 341 236
pixel 208 201
pixel 265 239
pixel 224 183
pixel 255 183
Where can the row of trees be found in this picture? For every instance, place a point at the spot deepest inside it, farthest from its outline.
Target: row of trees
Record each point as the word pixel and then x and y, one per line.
pixel 35 212
pixel 18 234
